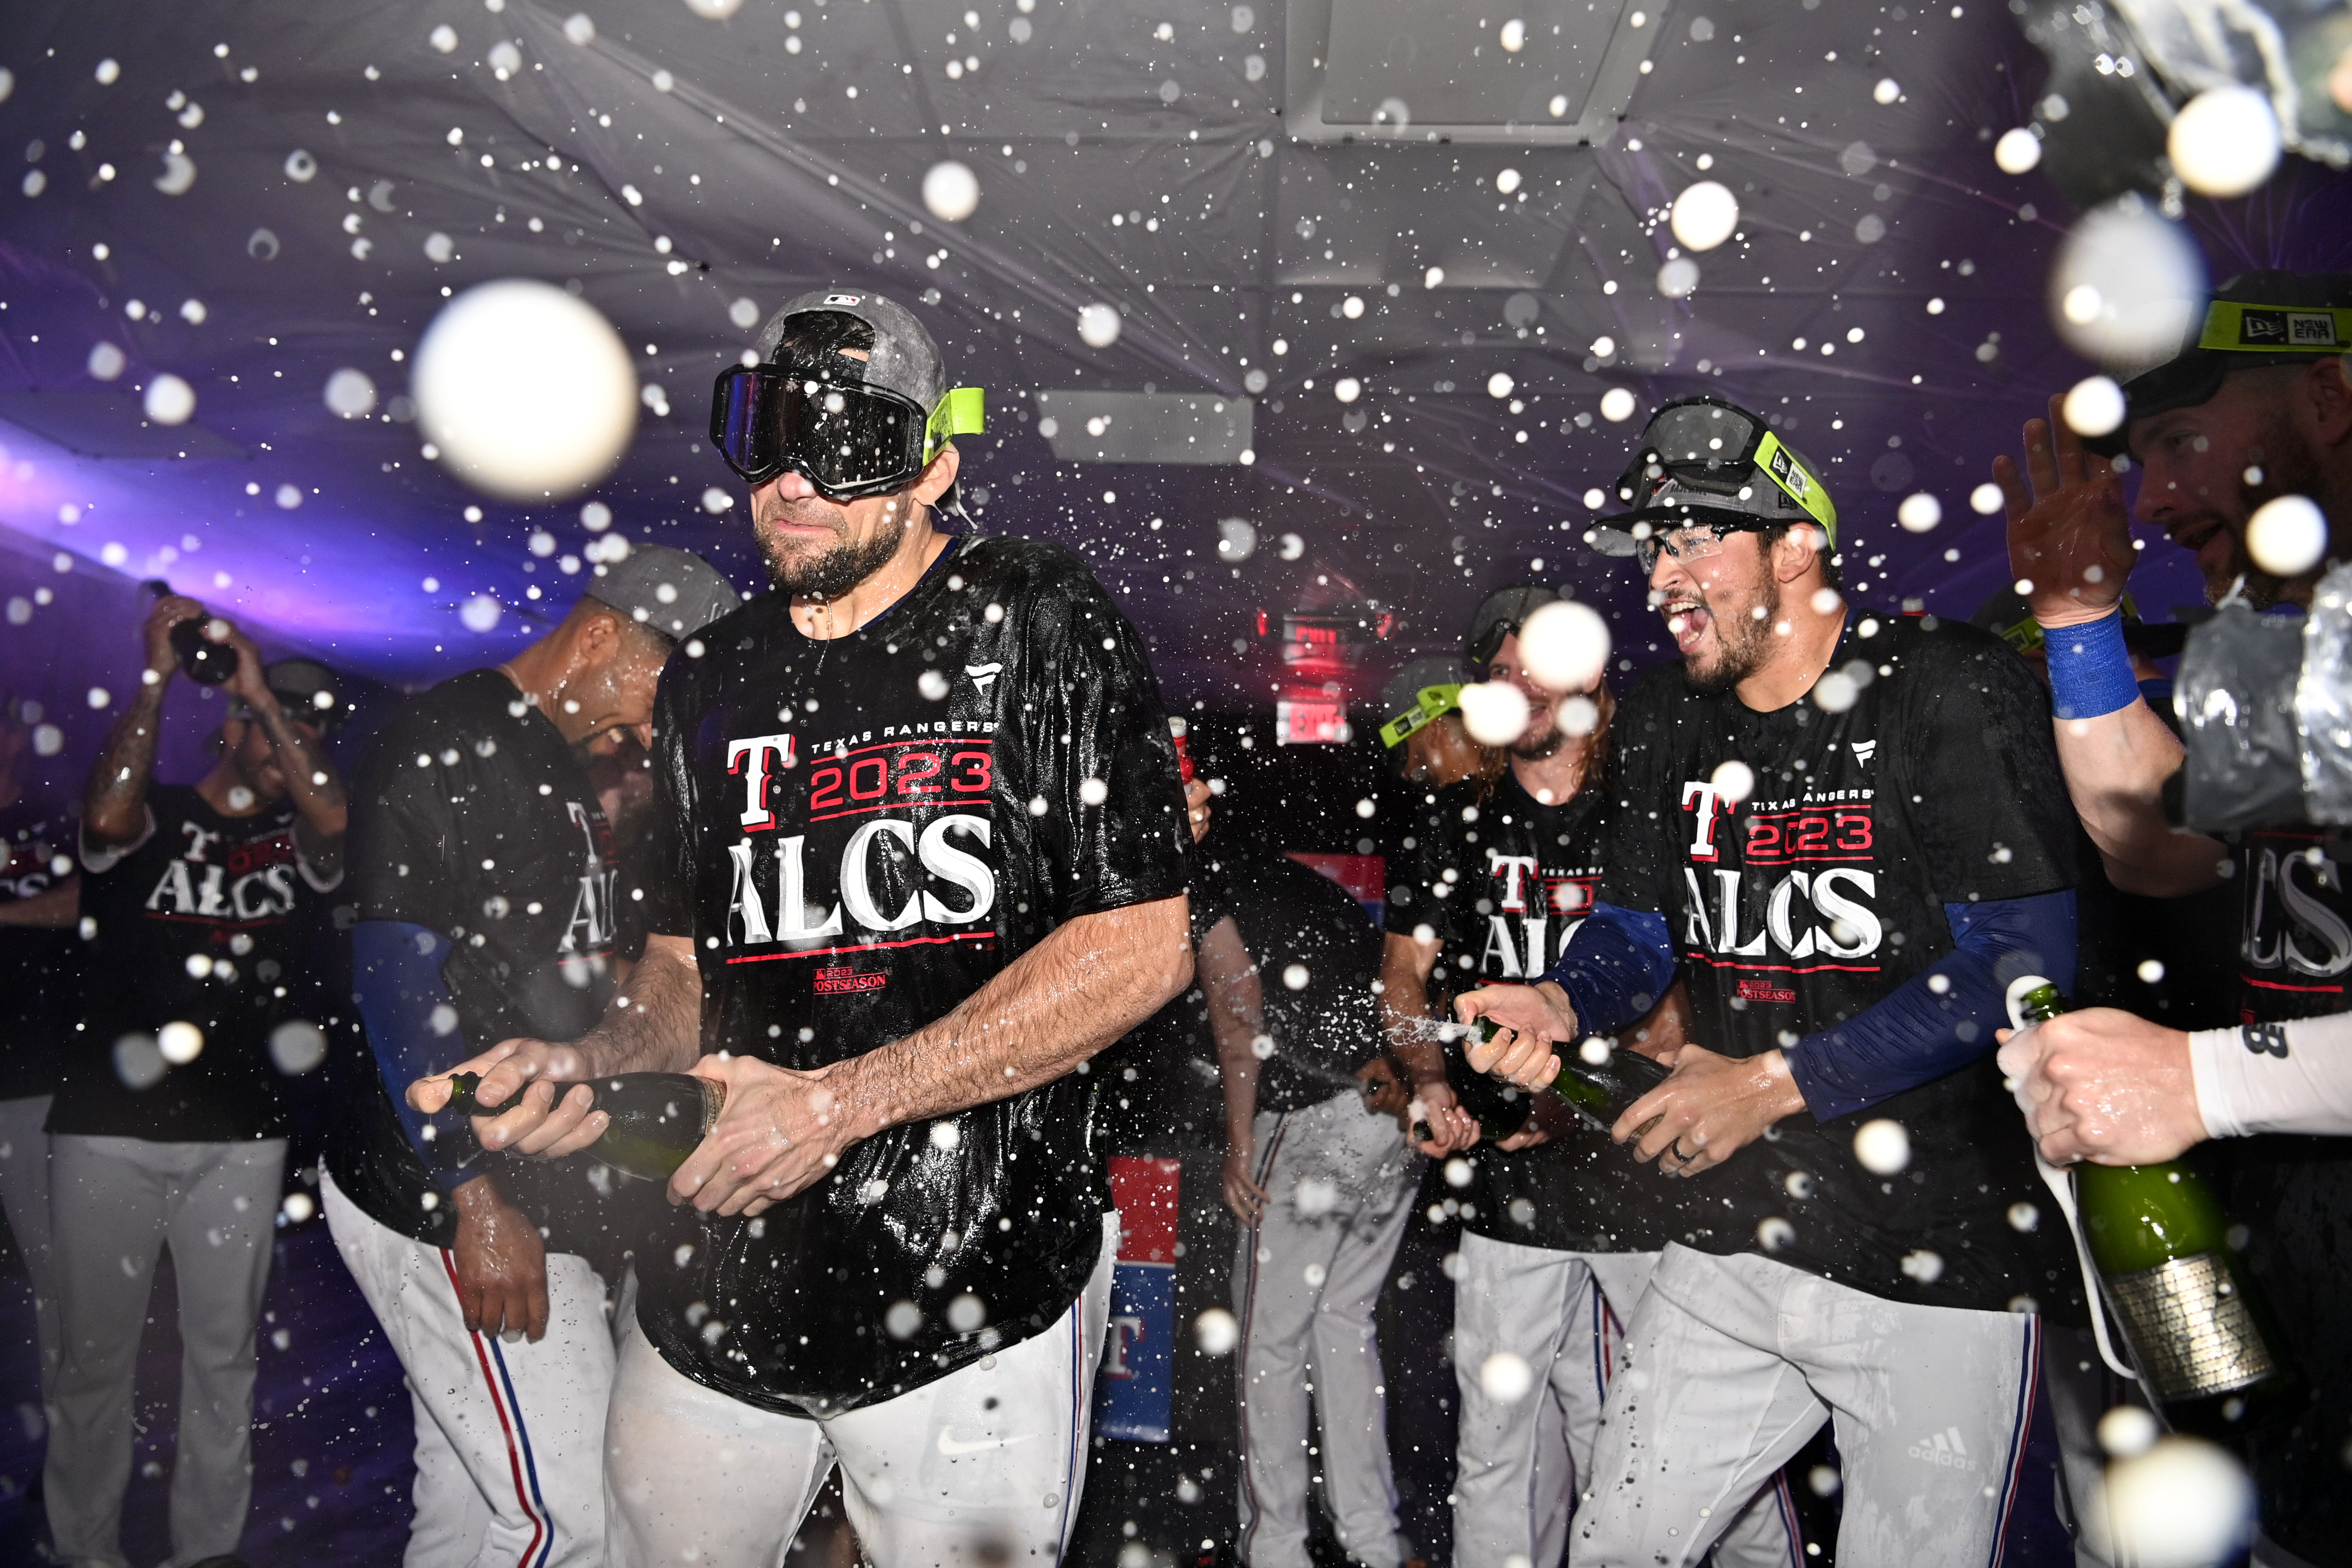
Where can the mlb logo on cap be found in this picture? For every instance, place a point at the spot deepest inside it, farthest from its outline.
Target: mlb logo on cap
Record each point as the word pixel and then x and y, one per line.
pixel 845 298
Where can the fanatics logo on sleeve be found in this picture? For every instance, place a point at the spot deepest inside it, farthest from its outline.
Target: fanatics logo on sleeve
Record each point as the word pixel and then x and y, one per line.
pixel 1862 750
pixel 984 676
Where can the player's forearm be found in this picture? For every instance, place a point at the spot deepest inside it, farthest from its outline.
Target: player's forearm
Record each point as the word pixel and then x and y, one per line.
pixel 2116 766
pixel 655 1025
pixel 311 780
pixel 1238 1070
pixel 60 906
pixel 1089 981
pixel 114 803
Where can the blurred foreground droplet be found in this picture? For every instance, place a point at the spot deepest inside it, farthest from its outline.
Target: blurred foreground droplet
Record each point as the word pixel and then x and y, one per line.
pixel 1919 512
pixel 349 394
pixel 1617 404
pixel 170 400
pixel 2183 1503
pixel 952 191
pixel 1506 1378
pixel 1098 326
pixel 1882 1146
pixel 2147 278
pixel 528 391
pixel 2017 151
pixel 1704 215
pixel 1493 711
pixel 2224 141
pixel 1564 645
pixel 1215 1331
pixel 2094 406
pixel 2287 535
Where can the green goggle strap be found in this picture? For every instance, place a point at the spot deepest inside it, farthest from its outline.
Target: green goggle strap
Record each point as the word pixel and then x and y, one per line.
pixel 1430 703
pixel 1801 487
pixel 2292 329
pixel 961 412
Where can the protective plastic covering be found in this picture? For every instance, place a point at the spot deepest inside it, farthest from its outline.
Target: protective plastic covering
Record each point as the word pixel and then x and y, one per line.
pixel 2236 701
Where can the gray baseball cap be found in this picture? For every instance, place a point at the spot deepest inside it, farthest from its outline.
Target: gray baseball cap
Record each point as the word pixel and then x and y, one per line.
pixel 674 592
pixel 905 357
pixel 1505 611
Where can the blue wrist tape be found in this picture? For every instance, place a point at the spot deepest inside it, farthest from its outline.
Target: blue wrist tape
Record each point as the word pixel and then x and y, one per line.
pixel 2090 668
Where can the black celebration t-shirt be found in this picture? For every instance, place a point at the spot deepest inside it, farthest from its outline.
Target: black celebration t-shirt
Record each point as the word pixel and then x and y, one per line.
pixel 473 817
pixel 204 921
pixel 1501 881
pixel 1920 771
pixel 1316 955
pixel 2294 961
pixel 42 1001
pixel 857 834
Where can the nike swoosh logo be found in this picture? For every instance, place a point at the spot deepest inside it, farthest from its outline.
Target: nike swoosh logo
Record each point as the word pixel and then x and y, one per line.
pixel 952 1446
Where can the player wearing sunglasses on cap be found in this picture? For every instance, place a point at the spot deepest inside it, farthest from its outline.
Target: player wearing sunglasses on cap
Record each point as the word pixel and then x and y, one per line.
pixel 1846 830
pixel 922 852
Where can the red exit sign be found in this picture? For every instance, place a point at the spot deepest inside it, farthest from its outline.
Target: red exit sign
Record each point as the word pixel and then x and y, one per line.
pixel 1311 721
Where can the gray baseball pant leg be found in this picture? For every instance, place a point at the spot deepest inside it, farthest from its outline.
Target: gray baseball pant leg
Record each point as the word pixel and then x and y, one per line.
pixel 1733 1364
pixel 115 1202
pixel 1306 1282
pixel 25 1194
pixel 1518 1462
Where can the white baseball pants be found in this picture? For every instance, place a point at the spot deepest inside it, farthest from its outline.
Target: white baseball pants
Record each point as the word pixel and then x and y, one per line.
pixel 981 1468
pixel 1518 1462
pixel 509 1434
pixel 1339 1182
pixel 1732 1363
pixel 114 1204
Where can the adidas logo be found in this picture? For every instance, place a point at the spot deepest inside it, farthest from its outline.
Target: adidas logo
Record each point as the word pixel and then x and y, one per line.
pixel 1862 750
pixel 984 676
pixel 1944 1451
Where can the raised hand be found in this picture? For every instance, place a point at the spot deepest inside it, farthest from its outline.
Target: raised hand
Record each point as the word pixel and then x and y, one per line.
pixel 2069 535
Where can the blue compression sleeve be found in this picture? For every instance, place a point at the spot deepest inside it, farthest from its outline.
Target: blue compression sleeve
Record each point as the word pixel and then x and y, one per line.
pixel 1920 1033
pixel 1617 965
pixel 411 1023
pixel 2090 668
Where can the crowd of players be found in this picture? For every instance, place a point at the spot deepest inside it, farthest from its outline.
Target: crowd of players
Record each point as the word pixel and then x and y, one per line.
pixel 891 853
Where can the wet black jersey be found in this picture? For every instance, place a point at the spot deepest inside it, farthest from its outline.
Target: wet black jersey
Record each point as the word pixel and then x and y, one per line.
pixel 1922 772
pixel 1316 955
pixel 1502 881
pixel 2295 958
pixel 202 922
pixel 473 817
pixel 43 963
pixel 857 835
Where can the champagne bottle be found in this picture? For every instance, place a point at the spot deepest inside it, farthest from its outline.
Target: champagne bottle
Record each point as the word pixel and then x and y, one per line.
pixel 657 1117
pixel 202 660
pixel 1599 1092
pixel 2207 1349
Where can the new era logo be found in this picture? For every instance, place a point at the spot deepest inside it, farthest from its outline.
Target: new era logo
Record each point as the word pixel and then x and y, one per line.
pixel 1862 750
pixel 2288 329
pixel 1944 1450
pixel 845 298
pixel 984 676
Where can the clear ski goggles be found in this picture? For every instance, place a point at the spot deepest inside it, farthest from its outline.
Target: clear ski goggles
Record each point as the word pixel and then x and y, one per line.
pixel 1708 446
pixel 848 439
